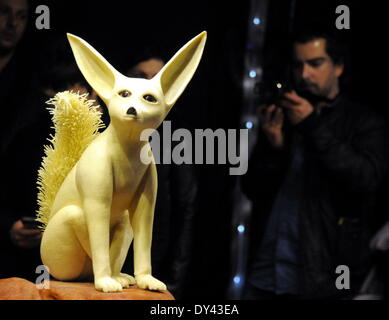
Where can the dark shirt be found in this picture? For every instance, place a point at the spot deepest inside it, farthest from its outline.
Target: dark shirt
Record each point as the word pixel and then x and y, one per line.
pixel 277 267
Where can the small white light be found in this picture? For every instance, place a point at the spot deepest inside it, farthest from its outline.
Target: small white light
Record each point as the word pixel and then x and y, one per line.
pixel 252 74
pixel 256 21
pixel 240 229
pixel 236 279
pixel 279 85
pixel 249 125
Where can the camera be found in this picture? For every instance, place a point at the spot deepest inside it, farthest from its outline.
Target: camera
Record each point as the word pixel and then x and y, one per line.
pixel 270 92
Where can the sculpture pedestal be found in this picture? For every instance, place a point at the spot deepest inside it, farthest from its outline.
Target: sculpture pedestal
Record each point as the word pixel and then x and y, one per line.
pixel 20 289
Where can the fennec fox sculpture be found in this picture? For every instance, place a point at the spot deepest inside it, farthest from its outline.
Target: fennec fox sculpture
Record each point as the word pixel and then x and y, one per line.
pixel 107 199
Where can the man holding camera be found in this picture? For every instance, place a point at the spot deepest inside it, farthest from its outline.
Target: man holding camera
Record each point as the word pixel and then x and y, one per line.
pixel 312 178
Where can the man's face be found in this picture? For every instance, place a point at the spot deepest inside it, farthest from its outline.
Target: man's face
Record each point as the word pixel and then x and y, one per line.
pixel 13 20
pixel 314 71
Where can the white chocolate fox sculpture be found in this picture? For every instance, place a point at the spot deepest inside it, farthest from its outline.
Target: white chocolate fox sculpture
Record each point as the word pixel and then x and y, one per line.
pixel 108 197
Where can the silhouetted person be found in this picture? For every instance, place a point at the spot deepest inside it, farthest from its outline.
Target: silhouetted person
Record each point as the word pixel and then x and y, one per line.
pixel 18 90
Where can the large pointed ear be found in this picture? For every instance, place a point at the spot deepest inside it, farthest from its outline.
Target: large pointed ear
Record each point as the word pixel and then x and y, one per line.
pixel 97 71
pixel 176 74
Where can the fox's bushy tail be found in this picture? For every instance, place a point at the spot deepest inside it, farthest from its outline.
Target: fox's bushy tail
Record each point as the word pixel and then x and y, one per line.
pixel 76 123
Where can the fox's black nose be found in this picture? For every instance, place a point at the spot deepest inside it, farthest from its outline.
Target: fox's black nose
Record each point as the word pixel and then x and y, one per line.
pixel 131 111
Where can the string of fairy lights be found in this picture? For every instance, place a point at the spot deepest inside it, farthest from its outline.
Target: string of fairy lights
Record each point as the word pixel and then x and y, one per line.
pixel 252 75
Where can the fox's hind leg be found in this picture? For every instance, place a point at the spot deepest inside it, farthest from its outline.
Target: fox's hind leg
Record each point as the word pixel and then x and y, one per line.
pixel 65 247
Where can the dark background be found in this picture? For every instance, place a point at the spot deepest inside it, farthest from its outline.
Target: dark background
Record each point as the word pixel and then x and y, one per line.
pixel 213 99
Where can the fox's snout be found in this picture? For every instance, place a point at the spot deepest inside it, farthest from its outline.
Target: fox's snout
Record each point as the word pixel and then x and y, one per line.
pixel 132 111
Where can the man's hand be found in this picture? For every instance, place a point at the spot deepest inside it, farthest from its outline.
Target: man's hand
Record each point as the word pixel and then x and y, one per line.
pixel 271 120
pixel 297 107
pixel 23 237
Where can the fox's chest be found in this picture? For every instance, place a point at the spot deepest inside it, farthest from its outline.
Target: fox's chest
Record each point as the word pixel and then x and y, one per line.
pixel 125 186
pixel 127 177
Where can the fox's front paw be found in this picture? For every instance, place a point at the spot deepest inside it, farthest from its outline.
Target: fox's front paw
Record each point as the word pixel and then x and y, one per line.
pixel 124 279
pixel 108 284
pixel 149 282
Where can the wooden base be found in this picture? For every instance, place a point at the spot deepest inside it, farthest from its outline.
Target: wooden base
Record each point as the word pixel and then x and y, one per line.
pixel 21 289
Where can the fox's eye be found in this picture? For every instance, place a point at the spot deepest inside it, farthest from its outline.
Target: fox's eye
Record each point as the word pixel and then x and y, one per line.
pixel 150 98
pixel 124 93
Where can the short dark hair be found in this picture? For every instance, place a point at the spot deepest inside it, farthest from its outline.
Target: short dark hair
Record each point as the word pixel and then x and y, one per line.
pixel 334 47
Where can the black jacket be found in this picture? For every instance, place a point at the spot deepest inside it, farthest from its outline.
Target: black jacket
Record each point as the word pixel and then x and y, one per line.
pixel 20 153
pixel 346 157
